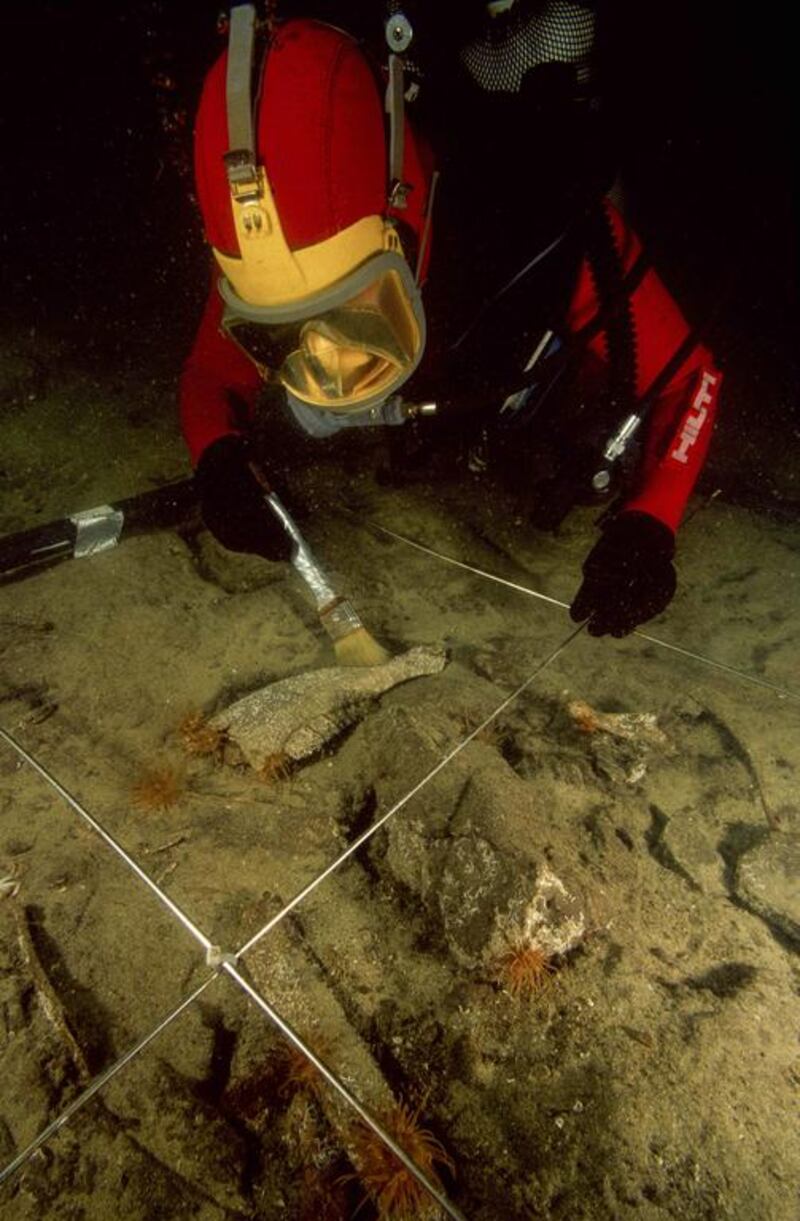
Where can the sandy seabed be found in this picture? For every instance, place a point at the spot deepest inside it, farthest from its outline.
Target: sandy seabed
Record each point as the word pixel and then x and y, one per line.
pixel 656 1072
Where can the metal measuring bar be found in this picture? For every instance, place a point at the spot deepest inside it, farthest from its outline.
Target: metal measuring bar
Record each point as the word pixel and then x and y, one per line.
pixel 784 692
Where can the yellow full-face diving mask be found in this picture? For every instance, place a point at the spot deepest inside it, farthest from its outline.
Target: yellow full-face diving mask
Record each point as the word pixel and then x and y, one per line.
pixel 353 345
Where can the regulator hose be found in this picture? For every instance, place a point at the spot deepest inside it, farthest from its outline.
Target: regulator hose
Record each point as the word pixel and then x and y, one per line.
pixel 614 304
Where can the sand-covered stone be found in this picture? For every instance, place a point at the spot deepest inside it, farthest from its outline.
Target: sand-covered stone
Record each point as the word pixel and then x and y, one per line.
pixel 768 881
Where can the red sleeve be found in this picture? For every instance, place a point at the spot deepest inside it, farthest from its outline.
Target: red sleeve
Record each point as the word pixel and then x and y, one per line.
pixel 215 374
pixel 680 421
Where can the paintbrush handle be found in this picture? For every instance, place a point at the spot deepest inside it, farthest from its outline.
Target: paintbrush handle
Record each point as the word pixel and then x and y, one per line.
pixel 337 614
pixel 302 556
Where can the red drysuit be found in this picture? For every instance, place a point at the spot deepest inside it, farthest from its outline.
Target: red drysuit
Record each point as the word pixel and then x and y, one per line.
pixel 678 427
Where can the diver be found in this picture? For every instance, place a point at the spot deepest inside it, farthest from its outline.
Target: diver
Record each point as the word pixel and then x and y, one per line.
pixel 545 332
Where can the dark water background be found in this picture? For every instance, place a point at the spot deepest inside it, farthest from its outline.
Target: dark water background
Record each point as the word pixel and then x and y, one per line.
pixel 102 246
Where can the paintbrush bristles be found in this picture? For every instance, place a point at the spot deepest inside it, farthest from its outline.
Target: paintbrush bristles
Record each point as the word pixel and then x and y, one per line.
pixel 359 648
pixel 352 642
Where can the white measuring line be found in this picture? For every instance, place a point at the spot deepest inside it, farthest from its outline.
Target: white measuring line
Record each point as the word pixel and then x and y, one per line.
pixel 785 692
pixel 398 805
pixel 227 961
pixel 221 961
pixel 97 1084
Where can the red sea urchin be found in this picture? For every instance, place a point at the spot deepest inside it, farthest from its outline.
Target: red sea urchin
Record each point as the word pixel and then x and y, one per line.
pixel 524 969
pixel 159 789
pixel 198 737
pixel 394 1191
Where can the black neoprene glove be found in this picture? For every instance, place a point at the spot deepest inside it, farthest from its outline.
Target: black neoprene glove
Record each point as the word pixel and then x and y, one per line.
pixel 232 502
pixel 628 575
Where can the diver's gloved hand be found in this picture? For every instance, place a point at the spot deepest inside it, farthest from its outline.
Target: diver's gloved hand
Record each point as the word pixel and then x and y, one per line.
pixel 232 501
pixel 628 575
